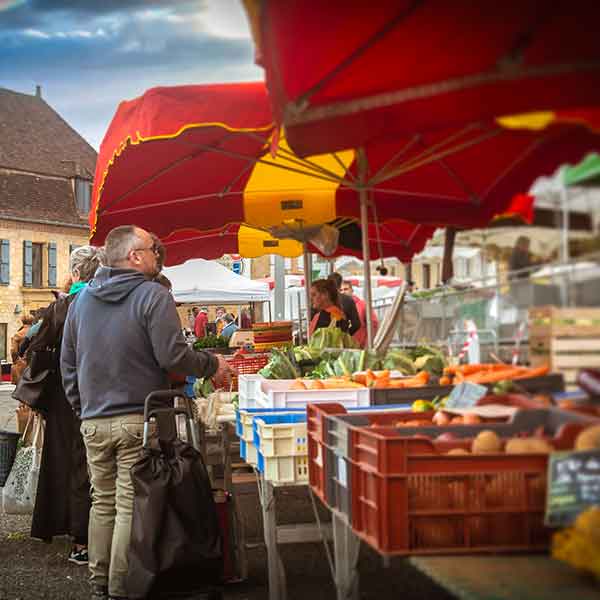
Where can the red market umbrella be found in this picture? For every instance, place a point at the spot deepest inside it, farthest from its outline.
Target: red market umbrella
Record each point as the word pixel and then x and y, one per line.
pixel 342 74
pixel 398 239
pixel 197 157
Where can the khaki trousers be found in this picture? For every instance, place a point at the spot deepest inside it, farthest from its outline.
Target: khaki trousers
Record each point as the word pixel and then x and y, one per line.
pixel 113 445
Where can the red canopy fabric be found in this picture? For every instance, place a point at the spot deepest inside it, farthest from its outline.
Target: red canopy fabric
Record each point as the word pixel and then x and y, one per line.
pixel 398 239
pixel 173 157
pixel 464 177
pixel 342 74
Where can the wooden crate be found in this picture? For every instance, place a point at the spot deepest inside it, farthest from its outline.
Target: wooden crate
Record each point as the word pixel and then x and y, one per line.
pixel 568 339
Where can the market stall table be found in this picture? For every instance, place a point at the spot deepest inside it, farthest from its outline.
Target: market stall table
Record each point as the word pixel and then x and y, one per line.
pixel 527 577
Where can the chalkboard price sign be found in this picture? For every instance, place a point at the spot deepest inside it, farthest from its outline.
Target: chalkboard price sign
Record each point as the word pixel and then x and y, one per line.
pixel 573 485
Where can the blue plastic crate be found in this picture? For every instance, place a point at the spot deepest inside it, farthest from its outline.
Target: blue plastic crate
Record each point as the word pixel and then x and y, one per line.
pixel 239 427
pixel 281 419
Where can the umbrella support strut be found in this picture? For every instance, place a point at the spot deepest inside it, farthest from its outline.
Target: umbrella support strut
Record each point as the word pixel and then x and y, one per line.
pixel 366 251
pixel 307 284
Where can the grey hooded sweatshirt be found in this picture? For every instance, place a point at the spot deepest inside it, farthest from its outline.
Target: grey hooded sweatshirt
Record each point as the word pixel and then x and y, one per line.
pixel 121 338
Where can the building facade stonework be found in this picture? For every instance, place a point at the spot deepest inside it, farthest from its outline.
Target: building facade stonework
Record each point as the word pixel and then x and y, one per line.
pixel 46 172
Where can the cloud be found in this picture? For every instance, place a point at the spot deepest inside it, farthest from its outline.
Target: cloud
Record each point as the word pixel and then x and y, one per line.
pixel 88 55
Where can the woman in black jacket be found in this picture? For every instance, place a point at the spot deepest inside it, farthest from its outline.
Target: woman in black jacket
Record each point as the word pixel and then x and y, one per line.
pixel 62 504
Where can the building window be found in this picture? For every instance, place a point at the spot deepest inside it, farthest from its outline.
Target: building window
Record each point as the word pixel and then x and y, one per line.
pixel 3 341
pixel 52 276
pixel 426 277
pixel 83 195
pixel 36 265
pixel 4 262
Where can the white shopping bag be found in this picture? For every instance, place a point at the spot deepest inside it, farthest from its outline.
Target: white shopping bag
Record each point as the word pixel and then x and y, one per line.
pixel 18 494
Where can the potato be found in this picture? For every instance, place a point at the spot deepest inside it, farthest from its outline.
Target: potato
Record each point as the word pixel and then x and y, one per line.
pixel 516 446
pixel 486 442
pixel 588 439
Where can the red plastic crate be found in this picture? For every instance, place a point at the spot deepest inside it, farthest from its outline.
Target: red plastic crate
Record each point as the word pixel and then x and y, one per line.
pixel 432 503
pixel 407 496
pixel 246 364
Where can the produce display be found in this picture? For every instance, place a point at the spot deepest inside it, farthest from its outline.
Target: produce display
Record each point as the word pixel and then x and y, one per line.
pixel 489 373
pixel 579 546
pixel 210 341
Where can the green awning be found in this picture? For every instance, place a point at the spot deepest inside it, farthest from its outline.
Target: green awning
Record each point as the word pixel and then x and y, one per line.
pixel 587 172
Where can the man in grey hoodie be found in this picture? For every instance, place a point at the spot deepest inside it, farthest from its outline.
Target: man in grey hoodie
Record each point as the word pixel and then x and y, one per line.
pixel 121 338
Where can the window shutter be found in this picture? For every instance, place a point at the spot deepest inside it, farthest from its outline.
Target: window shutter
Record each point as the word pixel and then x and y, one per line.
pixel 52 264
pixel 27 264
pixel 4 262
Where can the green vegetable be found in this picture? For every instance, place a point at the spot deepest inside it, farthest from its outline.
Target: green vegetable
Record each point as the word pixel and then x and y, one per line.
pixel 279 367
pixel 210 341
pixel 203 388
pixel 503 387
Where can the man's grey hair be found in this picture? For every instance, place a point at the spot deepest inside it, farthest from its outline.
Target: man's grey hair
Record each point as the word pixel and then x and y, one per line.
pixel 85 260
pixel 119 243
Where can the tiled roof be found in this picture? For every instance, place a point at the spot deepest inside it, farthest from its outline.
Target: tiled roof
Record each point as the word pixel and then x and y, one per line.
pixel 38 198
pixel 34 138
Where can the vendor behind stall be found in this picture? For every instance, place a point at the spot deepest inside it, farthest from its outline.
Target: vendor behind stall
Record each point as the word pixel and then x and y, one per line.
pixel 325 301
pixel 230 327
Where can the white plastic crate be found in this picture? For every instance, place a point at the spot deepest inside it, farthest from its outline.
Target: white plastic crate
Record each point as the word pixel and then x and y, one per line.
pixel 275 393
pixel 248 390
pixel 250 454
pixel 284 469
pixel 282 439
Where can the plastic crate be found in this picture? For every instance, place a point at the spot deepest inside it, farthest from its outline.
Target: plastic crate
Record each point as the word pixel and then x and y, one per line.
pixel 276 393
pixel 281 434
pixel 249 389
pixel 405 495
pixel 249 453
pixel 244 418
pixel 283 469
pixel 316 438
pixel 246 364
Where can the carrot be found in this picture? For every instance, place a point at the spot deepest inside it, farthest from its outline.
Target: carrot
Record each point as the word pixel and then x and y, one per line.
pixel 459 378
pixel 370 378
pixel 445 380
pixel 495 376
pixel 360 378
pixel 536 372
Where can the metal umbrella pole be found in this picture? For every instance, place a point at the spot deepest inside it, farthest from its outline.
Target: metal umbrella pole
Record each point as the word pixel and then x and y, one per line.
pixel 307 283
pixel 366 250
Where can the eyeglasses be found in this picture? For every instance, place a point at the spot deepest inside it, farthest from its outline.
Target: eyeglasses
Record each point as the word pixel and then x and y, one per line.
pixel 154 248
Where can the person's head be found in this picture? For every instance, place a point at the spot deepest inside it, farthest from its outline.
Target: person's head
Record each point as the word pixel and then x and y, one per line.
pixel 130 247
pixel 228 318
pixel 337 280
pixel 220 312
pixel 161 252
pixel 347 288
pixel 27 320
pixel 523 243
pixel 84 262
pixel 204 309
pixel 195 311
pixel 323 294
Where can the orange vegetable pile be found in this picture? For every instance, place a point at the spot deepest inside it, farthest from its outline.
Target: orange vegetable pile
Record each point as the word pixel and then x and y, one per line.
pixel 488 373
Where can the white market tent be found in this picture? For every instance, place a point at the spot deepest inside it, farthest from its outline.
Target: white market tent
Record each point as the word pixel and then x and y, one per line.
pixel 202 281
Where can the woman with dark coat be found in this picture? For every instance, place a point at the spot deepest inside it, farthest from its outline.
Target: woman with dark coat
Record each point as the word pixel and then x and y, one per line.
pixel 62 504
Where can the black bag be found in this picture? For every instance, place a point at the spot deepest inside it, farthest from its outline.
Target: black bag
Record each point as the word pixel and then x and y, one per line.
pixel 175 545
pixel 30 387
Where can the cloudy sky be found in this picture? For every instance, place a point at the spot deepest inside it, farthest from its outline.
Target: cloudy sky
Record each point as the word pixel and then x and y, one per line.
pixel 90 54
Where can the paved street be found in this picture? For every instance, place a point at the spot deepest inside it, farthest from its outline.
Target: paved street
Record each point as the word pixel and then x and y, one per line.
pixel 7 407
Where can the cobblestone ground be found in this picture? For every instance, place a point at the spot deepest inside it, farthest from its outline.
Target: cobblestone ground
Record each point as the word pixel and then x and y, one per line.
pixel 32 570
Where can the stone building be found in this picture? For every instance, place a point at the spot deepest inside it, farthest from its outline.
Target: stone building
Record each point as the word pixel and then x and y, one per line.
pixel 46 171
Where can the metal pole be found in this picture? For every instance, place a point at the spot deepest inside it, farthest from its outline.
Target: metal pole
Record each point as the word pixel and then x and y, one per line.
pixel 564 196
pixel 366 251
pixel 307 283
